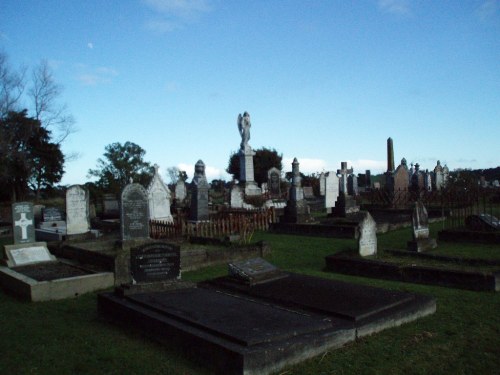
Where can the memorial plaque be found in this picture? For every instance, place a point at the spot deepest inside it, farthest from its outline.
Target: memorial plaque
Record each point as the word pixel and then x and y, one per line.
pixel 254 271
pixel 77 210
pixel 52 214
pixel 23 254
pixel 155 262
pixel 23 222
pixel 134 212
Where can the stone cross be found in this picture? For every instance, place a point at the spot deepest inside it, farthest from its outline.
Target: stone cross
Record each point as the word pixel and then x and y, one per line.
pixel 23 223
pixel 343 172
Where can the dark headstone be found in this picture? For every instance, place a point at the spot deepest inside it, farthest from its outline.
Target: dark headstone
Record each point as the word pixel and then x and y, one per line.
pixel 52 214
pixel 273 182
pixel 134 212
pixel 23 222
pixel 199 194
pixel 155 262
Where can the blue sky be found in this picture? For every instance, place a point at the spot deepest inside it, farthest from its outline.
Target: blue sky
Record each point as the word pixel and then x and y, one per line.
pixel 323 81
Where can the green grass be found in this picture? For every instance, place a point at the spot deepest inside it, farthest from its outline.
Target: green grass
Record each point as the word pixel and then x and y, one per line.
pixel 66 337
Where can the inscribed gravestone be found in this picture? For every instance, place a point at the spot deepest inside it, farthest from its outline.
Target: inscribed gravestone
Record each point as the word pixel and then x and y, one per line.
pixel 23 222
pixel 24 254
pixel 77 210
pixel 401 177
pixel 134 212
pixel 420 225
pixel 352 185
pixel 180 191
pixel 254 271
pixel 199 198
pixel 273 178
pixel 51 214
pixel 159 199
pixel 367 241
pixel 236 197
pixel 155 262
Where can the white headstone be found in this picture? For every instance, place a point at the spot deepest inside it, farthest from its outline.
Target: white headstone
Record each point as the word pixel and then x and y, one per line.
pixel 367 241
pixel 159 199
pixel 236 197
pixel 331 190
pixel 180 191
pixel 77 210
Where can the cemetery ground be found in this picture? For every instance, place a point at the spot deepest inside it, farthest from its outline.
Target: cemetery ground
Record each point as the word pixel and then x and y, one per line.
pixel 462 337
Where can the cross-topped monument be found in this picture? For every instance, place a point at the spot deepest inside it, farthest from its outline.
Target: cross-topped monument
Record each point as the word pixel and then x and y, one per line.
pixel 343 173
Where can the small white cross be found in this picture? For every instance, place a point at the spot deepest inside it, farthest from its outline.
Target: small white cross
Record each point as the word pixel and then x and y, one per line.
pixel 24 223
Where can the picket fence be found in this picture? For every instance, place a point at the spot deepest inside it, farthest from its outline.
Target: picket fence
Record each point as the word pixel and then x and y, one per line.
pixel 219 225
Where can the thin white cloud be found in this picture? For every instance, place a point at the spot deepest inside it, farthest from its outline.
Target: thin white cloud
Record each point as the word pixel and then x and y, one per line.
pixel 399 7
pixel 90 45
pixel 488 9
pixel 175 14
pixel 94 76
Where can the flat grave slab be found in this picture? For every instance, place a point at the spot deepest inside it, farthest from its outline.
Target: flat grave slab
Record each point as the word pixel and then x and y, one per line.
pixel 23 254
pixel 333 298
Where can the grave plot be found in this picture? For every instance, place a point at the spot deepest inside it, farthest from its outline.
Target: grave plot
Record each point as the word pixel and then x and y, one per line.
pixel 33 273
pixel 259 319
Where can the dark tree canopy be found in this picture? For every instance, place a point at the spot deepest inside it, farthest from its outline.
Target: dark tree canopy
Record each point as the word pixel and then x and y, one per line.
pixel 120 164
pixel 28 159
pixel 263 160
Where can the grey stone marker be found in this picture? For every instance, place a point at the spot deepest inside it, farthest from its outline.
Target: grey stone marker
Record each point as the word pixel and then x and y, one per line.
pixel 23 224
pixel 77 210
pixel 199 194
pixel 274 179
pixel 180 192
pixel 322 184
pixel 246 155
pixel 367 240
pixel 236 197
pixel 134 212
pixel 420 225
pixel 331 190
pixel 29 253
pixel 159 199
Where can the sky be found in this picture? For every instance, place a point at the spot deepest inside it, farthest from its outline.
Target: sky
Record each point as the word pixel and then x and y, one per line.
pixel 323 81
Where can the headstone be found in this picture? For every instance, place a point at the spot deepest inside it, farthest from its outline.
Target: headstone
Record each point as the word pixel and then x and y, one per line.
pixel 155 262
pixel 427 181
pixel 236 197
pixel 308 192
pixel 134 212
pixel 51 214
pixel 111 207
pixel 37 213
pixel 446 175
pixel 199 194
pixel 367 239
pixel 180 192
pixel 401 177
pixel 297 210
pixel 322 184
pixel 376 185
pixel 274 182
pixel 438 176
pixel 352 185
pixel 420 230
pixel 23 224
pixel 331 190
pixel 254 271
pixel 159 199
pixel 368 179
pixel 345 204
pixel 77 210
pixel 343 174
pixel 30 253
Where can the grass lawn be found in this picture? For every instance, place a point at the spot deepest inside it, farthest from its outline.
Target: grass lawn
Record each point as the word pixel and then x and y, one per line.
pixel 66 337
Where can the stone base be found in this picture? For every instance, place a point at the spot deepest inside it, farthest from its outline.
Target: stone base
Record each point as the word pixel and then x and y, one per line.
pixel 345 206
pixel 421 245
pixel 297 212
pixel 251 188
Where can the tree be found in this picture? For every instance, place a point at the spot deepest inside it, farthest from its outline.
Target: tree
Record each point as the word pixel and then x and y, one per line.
pixel 175 174
pixel 120 164
pixel 28 159
pixel 263 160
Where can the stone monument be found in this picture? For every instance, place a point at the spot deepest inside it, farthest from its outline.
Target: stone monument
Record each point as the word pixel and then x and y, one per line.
pixel 345 204
pixel 159 199
pixel 77 210
pixel 331 190
pixel 23 224
pixel 420 230
pixel 246 155
pixel 180 193
pixel 134 212
pixel 367 235
pixel 296 210
pixel 389 174
pixel 199 194
pixel 273 182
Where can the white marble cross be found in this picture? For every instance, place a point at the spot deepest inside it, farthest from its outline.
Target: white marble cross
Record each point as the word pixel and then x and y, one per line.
pixel 24 223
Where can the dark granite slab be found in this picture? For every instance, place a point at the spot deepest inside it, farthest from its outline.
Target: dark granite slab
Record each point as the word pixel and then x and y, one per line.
pixel 333 298
pixel 240 320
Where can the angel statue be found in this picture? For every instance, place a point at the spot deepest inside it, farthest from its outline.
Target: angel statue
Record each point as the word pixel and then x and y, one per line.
pixel 244 128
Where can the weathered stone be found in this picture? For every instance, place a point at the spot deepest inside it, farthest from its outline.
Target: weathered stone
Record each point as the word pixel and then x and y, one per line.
pixel 134 212
pixel 159 199
pixel 367 240
pixel 77 210
pixel 23 224
pixel 420 220
pixel 199 194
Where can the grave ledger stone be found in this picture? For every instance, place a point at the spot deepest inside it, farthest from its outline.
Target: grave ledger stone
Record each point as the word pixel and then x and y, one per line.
pixel 134 212
pixel 77 210
pixel 23 224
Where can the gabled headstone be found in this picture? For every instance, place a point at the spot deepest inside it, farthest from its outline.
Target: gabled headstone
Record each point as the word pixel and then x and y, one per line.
pixel 23 224
pixel 367 239
pixel 134 212
pixel 159 199
pixel 180 192
pixel 77 210
pixel 273 182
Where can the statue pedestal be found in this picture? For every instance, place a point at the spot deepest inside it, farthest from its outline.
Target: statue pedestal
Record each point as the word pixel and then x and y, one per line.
pixel 247 172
